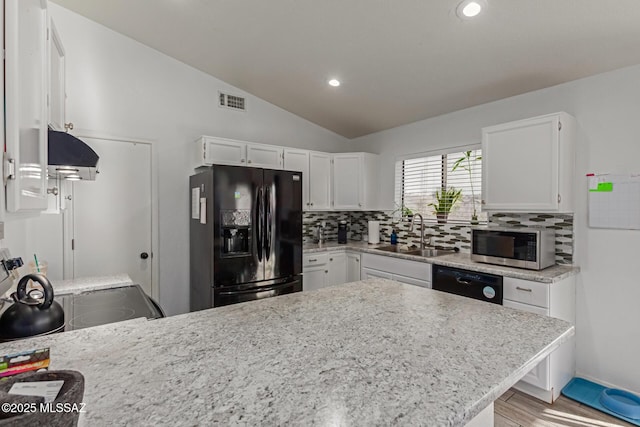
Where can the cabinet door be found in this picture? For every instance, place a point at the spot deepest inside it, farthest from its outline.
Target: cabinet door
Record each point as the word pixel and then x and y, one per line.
pixel 314 278
pixel 520 165
pixel 368 273
pixel 319 181
pixel 540 375
pixel 337 269
pixel 57 86
pixel 412 281
pixel 26 88
pixel 353 267
pixel 347 181
pixel 264 156
pixel 298 160
pixel 220 151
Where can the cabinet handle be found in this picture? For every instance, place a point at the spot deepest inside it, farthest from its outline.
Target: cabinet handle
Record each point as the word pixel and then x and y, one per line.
pixel 248 161
pixel 326 271
pixel 311 203
pixel 523 289
pixel 241 160
pixel 313 260
pixel 360 205
pixel 357 260
pixel 330 259
pixel 482 202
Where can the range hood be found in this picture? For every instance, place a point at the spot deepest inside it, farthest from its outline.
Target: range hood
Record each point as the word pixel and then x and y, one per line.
pixel 70 158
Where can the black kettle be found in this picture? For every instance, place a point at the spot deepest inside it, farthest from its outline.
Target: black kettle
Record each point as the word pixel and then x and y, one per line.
pixel 33 313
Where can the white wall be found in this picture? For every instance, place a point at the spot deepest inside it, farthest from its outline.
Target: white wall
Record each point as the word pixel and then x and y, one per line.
pixel 607 108
pixel 119 87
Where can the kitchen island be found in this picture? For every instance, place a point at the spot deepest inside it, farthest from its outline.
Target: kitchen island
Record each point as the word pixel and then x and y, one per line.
pixel 374 352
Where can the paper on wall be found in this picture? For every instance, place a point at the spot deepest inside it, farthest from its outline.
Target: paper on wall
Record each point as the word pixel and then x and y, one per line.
pixel 195 200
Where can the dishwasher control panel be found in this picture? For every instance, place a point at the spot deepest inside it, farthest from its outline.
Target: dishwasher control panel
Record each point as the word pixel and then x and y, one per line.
pixel 471 284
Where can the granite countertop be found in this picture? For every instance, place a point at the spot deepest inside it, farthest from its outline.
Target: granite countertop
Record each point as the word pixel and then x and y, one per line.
pixel 85 284
pixel 373 352
pixel 458 260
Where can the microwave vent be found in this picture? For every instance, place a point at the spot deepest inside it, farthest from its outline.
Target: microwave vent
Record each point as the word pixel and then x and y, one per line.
pixel 233 102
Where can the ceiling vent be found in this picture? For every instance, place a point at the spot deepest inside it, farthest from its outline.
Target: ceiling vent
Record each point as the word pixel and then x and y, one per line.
pixel 232 101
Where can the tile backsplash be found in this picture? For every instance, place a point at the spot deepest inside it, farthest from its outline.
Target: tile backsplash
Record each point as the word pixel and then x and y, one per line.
pixel 442 235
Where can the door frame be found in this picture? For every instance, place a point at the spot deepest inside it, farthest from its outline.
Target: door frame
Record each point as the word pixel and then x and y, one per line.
pixel 68 231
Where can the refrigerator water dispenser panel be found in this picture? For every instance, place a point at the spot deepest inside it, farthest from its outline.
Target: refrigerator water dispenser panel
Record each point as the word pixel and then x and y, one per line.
pixel 236 232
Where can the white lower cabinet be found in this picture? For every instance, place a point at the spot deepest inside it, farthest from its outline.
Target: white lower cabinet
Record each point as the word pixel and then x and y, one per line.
pixel 353 267
pixel 401 270
pixel 314 278
pixel 547 379
pixel 337 268
pixel 323 269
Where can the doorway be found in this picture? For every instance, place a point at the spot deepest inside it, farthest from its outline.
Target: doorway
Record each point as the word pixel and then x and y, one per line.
pixel 112 219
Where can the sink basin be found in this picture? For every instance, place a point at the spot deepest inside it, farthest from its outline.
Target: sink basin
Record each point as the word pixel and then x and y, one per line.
pixel 391 248
pixel 429 252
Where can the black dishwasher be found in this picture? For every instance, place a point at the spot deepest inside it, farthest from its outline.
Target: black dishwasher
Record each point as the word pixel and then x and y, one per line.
pixel 482 286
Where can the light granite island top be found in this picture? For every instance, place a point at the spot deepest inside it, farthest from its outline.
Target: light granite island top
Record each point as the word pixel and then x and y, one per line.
pixel 374 352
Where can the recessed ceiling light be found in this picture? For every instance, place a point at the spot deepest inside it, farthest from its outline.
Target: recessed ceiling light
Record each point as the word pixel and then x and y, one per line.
pixel 470 8
pixel 334 82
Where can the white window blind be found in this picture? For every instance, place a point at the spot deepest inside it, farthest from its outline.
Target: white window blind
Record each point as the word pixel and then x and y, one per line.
pixel 447 184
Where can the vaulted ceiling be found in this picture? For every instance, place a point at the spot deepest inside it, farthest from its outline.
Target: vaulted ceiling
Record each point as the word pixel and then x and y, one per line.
pixel 399 61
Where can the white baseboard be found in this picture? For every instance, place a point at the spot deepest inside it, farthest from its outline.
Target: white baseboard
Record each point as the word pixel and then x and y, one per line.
pixel 605 383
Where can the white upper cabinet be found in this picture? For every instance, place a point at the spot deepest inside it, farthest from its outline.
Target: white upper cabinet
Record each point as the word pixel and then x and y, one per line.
pixel 529 165
pixel 354 181
pixel 57 86
pixel 319 181
pixel 264 156
pixel 26 88
pixel 221 151
pixel 346 181
pixel 298 161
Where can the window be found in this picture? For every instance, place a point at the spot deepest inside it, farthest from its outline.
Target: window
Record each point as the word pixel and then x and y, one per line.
pixel 444 187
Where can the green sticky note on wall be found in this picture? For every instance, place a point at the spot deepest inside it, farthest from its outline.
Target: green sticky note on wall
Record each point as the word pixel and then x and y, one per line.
pixel 604 187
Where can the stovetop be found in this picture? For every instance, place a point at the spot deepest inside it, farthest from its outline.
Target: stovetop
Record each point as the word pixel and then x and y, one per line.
pixel 107 306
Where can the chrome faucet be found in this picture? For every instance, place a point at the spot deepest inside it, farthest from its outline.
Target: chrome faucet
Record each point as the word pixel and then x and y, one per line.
pixel 422 246
pixel 320 233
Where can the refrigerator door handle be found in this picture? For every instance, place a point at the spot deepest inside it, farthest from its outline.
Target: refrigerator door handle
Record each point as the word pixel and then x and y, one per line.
pixel 257 290
pixel 259 221
pixel 268 223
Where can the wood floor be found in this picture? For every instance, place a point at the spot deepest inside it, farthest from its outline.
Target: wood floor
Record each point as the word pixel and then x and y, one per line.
pixel 514 409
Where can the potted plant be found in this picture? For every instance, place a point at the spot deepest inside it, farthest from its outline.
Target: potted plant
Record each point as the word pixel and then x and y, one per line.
pixel 445 201
pixel 404 211
pixel 466 162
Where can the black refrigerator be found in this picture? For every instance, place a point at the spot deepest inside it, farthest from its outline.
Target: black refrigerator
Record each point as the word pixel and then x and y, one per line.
pixel 245 235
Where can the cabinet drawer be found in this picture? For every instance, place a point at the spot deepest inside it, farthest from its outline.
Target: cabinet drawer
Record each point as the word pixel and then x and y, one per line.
pixel 412 281
pixel 526 292
pixel 413 269
pixel 310 260
pixel 368 273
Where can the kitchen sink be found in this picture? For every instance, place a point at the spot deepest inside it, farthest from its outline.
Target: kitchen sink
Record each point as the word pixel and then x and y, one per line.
pixel 427 253
pixel 391 248
pixel 430 252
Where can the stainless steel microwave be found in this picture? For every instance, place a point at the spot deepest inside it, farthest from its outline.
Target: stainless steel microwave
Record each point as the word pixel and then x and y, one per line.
pixel 529 248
